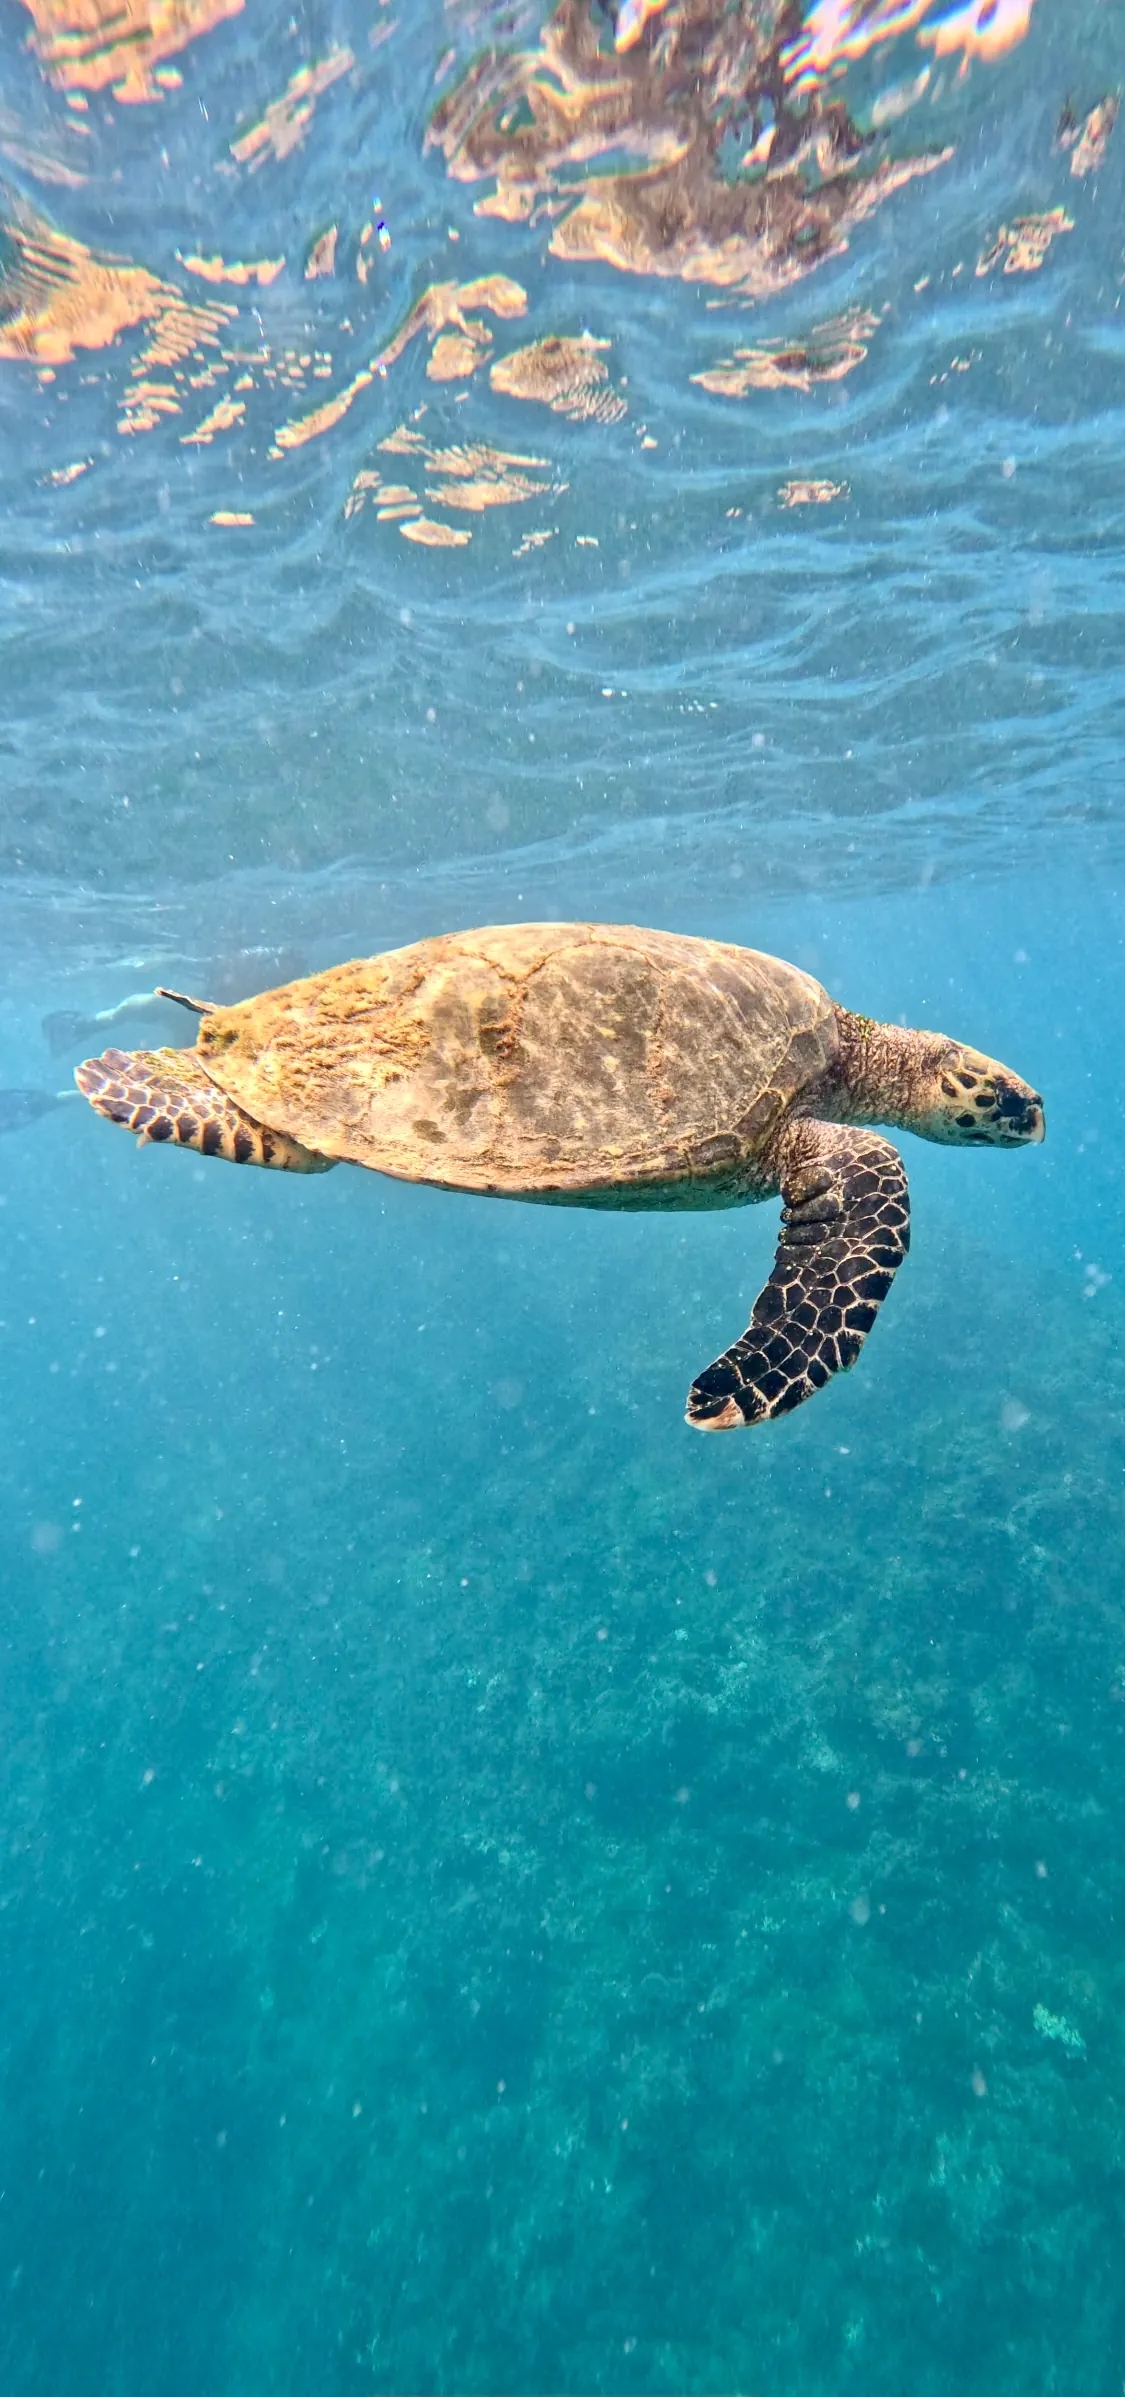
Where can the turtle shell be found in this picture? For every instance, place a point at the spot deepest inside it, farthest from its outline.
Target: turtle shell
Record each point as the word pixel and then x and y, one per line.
pixel 578 1061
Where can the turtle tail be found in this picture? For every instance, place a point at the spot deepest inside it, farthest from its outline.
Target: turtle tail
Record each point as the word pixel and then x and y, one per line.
pixel 164 1094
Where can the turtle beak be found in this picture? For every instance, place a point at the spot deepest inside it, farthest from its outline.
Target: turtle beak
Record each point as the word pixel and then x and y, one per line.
pixel 1027 1122
pixel 1019 1111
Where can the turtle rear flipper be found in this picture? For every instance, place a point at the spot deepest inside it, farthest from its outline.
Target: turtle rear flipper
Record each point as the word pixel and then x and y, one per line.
pixel 180 998
pixel 20 1107
pixel 164 1094
pixel 845 1231
pixel 64 1030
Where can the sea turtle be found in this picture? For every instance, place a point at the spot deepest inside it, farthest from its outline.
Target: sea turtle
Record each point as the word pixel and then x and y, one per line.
pixel 596 1065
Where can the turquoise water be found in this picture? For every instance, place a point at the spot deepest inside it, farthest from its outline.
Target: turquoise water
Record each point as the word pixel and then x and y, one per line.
pixel 497 1893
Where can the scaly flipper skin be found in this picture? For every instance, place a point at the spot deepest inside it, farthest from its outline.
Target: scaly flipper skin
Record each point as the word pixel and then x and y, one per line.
pixel 164 1094
pixel 845 1231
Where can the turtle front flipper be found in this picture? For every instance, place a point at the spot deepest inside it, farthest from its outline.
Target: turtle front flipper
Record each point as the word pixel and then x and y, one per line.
pixel 164 1094
pixel 845 1231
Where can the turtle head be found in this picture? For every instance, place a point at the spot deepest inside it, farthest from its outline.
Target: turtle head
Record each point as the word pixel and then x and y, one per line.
pixel 969 1101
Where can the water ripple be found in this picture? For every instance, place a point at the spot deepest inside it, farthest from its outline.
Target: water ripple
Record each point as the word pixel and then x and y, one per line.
pixel 880 597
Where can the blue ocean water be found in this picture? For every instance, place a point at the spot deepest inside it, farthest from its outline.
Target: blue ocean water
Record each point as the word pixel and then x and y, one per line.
pixel 498 1893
